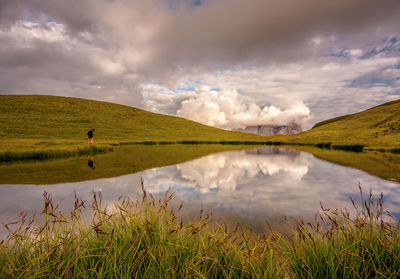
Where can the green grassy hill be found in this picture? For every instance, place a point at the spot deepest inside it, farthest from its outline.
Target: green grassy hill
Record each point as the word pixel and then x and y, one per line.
pixel 51 117
pixel 376 127
pixel 33 123
pixel 40 126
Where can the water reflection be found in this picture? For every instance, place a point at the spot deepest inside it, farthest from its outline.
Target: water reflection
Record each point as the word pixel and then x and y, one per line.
pixel 227 171
pixel 266 182
pixel 91 163
pixel 124 160
pixel 249 186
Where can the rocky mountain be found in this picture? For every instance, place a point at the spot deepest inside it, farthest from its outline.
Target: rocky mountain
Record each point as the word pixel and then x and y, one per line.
pixel 267 130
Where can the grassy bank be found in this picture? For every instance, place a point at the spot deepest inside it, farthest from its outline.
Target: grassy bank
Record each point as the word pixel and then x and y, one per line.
pixel 145 238
pixel 52 153
pixel 22 149
pixel 38 149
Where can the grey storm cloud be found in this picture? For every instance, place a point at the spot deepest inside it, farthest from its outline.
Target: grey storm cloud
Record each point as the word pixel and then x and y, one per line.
pixel 103 49
pixel 215 34
pixel 230 32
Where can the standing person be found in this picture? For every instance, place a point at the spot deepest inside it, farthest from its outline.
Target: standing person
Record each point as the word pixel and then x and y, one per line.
pixel 90 136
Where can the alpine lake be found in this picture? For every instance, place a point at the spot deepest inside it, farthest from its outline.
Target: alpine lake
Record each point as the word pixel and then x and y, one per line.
pixel 261 187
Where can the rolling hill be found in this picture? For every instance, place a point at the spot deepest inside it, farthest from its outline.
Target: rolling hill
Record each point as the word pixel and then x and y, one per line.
pixel 33 123
pixel 51 117
pixel 375 127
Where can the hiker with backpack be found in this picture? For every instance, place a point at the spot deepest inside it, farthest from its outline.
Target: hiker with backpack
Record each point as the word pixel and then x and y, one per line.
pixel 90 136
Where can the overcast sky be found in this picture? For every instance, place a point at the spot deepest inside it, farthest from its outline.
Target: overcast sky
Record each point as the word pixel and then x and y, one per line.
pixel 227 63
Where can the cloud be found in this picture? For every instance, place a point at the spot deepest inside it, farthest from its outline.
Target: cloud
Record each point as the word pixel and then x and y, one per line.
pixel 269 52
pixel 45 59
pixel 233 32
pixel 158 98
pixel 227 109
pixel 307 91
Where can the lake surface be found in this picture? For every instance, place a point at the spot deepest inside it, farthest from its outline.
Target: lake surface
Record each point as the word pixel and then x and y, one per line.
pixel 249 186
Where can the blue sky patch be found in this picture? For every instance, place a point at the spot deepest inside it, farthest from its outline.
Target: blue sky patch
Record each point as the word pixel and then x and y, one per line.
pixel 375 79
pixel 197 3
pixel 342 53
pixel 390 46
pixel 372 81
pixel 188 85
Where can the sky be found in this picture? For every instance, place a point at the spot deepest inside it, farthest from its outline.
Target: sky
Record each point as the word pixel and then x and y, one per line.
pixel 225 63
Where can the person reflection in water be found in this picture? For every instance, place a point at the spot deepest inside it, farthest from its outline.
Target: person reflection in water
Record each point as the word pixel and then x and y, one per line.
pixel 91 163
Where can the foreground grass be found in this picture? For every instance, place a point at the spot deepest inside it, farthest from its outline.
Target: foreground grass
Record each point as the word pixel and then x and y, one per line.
pixel 366 246
pixel 141 239
pixel 145 238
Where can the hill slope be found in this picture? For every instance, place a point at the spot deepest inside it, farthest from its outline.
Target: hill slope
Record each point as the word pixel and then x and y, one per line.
pixel 51 117
pixel 376 127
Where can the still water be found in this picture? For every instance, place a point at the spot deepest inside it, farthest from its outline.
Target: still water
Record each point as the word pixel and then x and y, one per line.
pixel 250 186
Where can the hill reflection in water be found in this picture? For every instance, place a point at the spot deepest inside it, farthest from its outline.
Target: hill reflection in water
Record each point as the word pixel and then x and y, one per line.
pixel 247 186
pixel 266 184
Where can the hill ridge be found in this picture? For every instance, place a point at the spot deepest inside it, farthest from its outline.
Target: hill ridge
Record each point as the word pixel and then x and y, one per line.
pixel 38 116
pixel 378 126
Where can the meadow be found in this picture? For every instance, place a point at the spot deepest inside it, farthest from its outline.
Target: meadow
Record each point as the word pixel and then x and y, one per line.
pixel 43 127
pixel 39 126
pixel 146 238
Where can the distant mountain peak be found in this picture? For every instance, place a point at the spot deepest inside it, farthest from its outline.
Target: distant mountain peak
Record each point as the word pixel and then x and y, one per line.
pixel 268 130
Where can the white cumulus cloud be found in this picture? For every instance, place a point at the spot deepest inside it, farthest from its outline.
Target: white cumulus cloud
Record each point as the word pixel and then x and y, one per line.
pixel 228 109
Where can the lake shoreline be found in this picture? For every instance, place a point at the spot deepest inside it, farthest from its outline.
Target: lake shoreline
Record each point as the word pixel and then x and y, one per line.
pixel 41 149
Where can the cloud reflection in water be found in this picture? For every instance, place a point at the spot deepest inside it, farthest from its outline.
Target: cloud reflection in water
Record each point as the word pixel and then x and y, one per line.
pixel 228 170
pixel 251 186
pixel 265 182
